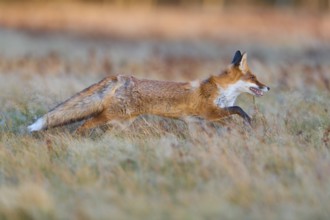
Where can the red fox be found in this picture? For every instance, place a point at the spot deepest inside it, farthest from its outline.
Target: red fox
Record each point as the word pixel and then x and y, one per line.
pixel 126 97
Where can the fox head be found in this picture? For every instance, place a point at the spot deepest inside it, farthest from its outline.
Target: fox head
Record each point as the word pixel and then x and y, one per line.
pixel 238 78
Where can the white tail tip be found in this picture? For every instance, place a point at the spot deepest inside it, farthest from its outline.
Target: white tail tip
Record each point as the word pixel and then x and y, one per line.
pixel 37 126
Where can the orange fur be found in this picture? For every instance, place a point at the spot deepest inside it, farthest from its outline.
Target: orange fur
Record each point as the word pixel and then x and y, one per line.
pixel 126 97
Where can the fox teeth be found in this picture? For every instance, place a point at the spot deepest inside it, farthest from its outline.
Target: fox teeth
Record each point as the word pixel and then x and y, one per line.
pixel 256 91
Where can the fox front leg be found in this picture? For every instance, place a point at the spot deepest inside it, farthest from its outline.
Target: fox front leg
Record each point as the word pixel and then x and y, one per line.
pixel 236 110
pixel 218 113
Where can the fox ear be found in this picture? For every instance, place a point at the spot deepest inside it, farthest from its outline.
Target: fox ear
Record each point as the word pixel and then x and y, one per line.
pixel 243 63
pixel 237 58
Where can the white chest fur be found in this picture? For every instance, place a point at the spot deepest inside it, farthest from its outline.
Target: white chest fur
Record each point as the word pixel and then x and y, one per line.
pixel 228 96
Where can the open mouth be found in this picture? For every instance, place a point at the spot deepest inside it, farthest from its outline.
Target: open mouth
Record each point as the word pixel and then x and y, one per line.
pixel 257 92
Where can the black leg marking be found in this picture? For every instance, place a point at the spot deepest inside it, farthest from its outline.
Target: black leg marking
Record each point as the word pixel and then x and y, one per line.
pixel 239 111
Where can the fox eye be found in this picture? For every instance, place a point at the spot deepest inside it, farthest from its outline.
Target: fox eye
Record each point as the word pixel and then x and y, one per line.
pixel 252 77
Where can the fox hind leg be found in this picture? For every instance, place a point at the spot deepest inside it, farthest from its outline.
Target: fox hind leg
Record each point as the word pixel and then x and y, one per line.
pixel 93 123
pixel 102 119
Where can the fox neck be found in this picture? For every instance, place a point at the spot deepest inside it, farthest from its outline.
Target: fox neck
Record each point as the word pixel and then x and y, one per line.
pixel 227 96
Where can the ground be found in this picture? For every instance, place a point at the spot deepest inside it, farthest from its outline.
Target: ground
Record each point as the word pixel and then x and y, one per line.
pixel 159 168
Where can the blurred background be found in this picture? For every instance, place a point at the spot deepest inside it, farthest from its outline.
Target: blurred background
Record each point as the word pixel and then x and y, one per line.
pixel 166 39
pixel 316 4
pixel 50 50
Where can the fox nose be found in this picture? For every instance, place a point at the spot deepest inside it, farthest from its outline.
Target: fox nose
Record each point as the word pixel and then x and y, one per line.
pixel 264 88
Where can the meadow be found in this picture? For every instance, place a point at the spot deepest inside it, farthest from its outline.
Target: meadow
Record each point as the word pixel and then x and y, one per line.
pixel 158 168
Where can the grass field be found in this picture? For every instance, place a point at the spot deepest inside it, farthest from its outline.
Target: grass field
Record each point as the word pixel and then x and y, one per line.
pixel 158 168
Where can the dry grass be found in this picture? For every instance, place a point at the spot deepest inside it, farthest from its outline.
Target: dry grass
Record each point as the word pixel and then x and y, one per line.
pixel 159 168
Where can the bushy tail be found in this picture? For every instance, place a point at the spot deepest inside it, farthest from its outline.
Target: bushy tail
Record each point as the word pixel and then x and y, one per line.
pixel 80 106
